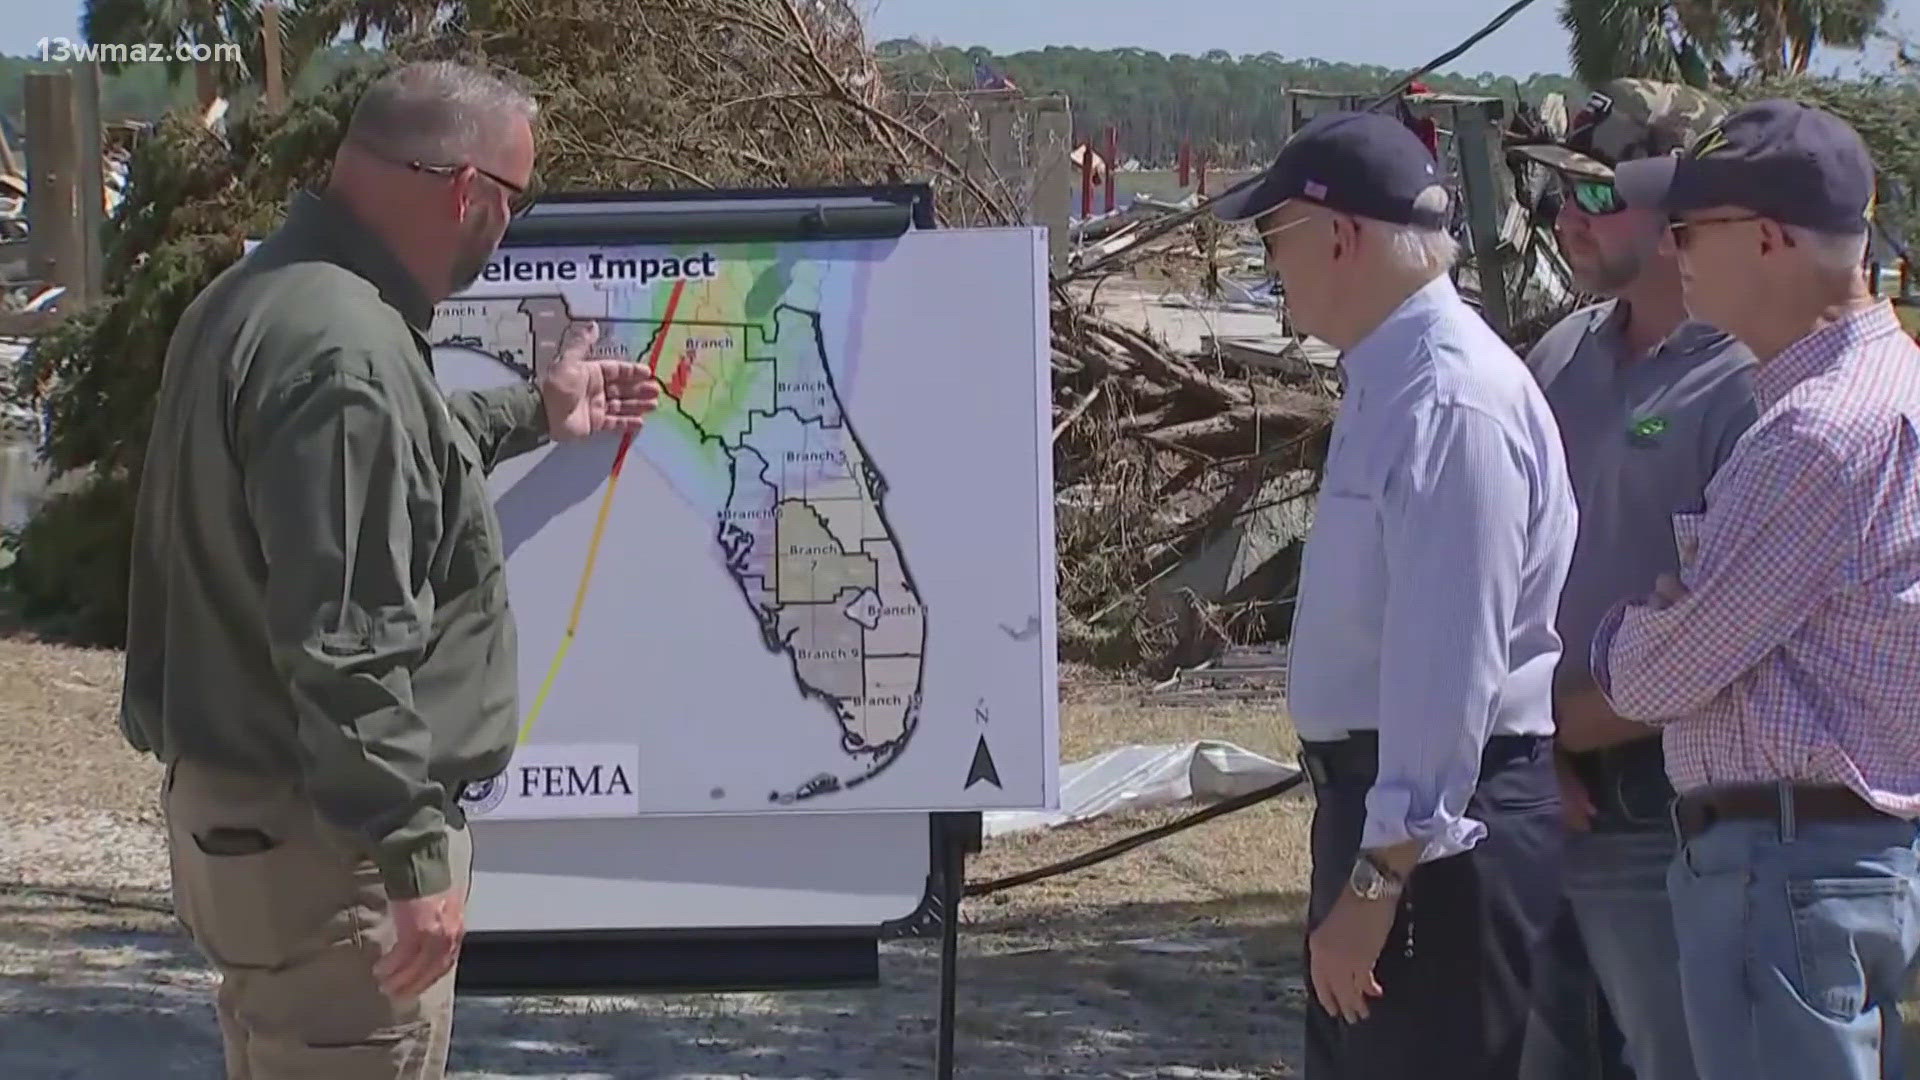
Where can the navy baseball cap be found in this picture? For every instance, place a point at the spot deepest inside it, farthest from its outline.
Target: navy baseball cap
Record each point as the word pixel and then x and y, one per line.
pixel 1361 163
pixel 1780 159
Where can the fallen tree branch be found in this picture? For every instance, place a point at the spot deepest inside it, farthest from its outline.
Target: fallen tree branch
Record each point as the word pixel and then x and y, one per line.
pixel 1080 407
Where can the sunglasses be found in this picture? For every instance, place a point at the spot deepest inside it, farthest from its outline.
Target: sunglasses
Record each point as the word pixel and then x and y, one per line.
pixel 1596 198
pixel 519 198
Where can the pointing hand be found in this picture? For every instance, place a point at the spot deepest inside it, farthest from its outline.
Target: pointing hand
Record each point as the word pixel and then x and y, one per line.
pixel 586 396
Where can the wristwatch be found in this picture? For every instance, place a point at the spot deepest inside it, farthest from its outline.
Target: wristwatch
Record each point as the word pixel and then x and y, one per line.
pixel 1371 880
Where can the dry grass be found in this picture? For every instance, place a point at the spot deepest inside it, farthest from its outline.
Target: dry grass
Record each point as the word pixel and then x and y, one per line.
pixel 60 743
pixel 1244 874
pixel 62 752
pixel 1061 978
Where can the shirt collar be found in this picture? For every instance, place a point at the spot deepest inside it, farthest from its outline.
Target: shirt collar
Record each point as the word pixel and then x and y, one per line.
pixel 1822 350
pixel 1385 345
pixel 324 225
pixel 1689 337
pixel 1693 336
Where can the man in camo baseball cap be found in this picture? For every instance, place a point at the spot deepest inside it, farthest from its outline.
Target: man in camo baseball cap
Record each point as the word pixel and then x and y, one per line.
pixel 1606 242
pixel 1648 403
pixel 1627 119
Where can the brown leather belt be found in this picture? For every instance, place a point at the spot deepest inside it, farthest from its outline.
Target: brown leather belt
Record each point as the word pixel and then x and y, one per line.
pixel 1695 812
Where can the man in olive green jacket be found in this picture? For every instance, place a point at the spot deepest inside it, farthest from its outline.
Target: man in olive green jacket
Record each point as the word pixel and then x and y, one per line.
pixel 319 645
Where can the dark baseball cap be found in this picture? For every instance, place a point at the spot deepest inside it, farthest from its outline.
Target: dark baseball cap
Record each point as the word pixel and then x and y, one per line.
pixel 1780 159
pixel 1361 163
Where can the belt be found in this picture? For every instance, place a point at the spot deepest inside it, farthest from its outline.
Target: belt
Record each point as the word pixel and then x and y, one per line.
pixel 1356 758
pixel 1628 785
pixel 1783 804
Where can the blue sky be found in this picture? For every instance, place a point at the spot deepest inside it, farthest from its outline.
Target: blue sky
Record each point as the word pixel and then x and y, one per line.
pixel 1349 30
pixel 1421 29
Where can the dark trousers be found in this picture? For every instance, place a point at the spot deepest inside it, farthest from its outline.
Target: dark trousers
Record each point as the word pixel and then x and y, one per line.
pixel 1574 1035
pixel 1456 970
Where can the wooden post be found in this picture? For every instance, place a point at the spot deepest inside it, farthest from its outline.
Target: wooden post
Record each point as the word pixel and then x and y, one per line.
pixel 1113 159
pixel 1476 139
pixel 1086 179
pixel 1186 162
pixel 270 50
pixel 53 185
pixel 1053 172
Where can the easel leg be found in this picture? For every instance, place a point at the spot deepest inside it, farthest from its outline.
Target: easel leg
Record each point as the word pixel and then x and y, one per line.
pixel 960 835
pixel 949 955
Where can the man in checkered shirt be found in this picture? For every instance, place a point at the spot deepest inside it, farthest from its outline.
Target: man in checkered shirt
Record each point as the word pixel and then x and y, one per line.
pixel 1784 663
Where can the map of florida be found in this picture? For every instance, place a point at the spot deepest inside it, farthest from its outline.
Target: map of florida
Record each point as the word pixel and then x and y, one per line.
pixel 751 430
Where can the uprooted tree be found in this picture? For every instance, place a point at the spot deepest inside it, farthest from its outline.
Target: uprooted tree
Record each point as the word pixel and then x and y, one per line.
pixel 1161 449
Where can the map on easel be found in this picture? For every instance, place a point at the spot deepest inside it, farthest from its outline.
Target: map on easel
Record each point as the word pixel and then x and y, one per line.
pixel 817 579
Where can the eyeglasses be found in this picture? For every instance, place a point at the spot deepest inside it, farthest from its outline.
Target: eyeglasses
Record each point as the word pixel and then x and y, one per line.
pixel 1278 229
pixel 1683 230
pixel 1597 198
pixel 519 198
pixel 1280 306
pixel 1266 248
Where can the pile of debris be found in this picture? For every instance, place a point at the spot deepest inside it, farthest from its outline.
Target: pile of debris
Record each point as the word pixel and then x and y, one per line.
pixel 1187 405
pixel 1184 476
pixel 13 220
pixel 18 286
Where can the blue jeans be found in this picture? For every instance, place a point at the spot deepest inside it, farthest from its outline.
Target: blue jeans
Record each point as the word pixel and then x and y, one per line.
pixel 1571 1034
pixel 1795 950
pixel 1616 889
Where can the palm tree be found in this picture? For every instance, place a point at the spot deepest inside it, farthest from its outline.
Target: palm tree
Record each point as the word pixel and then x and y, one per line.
pixel 1780 35
pixel 307 27
pixel 171 23
pixel 1689 40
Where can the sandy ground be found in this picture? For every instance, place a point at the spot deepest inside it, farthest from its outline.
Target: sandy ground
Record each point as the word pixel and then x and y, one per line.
pixel 1177 960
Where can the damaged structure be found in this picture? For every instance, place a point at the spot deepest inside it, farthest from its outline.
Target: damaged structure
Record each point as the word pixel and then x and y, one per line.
pixel 1193 418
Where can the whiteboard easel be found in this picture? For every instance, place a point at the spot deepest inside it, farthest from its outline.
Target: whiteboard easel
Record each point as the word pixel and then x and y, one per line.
pixel 761 901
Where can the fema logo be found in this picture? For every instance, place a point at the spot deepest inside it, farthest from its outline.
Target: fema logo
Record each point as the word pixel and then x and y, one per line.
pixel 482 796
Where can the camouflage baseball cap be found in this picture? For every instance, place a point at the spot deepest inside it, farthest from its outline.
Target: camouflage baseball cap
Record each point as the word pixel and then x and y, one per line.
pixel 1627 119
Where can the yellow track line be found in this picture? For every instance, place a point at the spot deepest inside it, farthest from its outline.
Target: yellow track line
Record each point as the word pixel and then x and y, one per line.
pixel 599 531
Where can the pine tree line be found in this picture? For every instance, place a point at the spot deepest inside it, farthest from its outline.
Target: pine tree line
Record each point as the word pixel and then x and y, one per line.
pixel 1232 108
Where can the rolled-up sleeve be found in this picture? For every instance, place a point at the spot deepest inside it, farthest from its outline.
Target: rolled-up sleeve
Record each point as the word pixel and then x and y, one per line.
pixel 1454 526
pixel 345 516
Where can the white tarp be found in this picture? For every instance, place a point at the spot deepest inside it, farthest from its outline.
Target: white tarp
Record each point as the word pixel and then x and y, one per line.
pixel 1140 777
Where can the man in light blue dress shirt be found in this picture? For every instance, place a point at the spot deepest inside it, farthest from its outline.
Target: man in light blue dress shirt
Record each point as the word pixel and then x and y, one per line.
pixel 1424 643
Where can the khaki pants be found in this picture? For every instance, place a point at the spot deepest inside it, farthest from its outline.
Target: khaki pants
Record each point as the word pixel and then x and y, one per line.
pixel 293 917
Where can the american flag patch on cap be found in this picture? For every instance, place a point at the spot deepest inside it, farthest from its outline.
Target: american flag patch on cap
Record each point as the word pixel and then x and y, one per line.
pixel 1315 190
